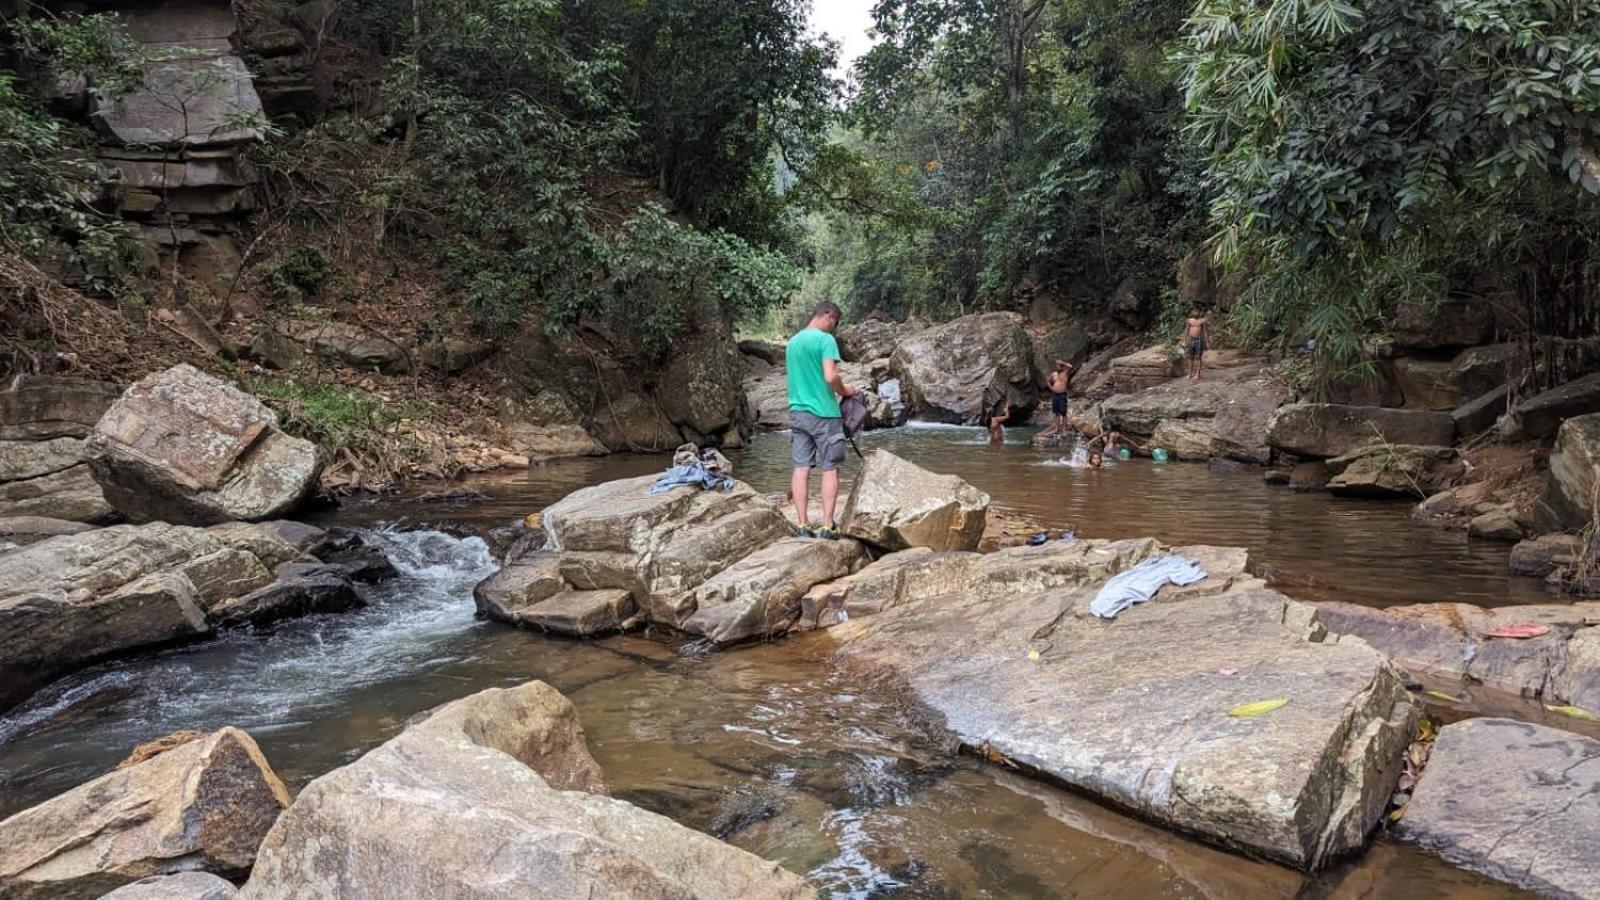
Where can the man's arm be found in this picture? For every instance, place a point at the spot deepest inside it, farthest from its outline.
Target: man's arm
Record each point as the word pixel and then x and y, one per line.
pixel 830 374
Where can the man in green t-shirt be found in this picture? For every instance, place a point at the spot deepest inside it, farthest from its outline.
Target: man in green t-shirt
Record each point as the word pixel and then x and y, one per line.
pixel 812 362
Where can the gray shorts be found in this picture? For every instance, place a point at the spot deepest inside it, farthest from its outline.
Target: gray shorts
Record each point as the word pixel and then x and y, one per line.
pixel 816 441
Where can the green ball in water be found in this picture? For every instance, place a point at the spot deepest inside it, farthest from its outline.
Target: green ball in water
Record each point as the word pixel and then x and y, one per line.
pixel 1124 453
pixel 1158 454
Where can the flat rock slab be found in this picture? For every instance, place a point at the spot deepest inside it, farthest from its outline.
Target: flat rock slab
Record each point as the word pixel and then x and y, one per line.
pixel 1516 801
pixel 760 595
pixel 1136 710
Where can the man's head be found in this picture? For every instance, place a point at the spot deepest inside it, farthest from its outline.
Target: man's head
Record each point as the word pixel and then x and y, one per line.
pixel 1094 460
pixel 825 316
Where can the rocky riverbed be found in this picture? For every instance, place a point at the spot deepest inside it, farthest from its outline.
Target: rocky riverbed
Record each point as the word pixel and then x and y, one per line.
pixel 997 650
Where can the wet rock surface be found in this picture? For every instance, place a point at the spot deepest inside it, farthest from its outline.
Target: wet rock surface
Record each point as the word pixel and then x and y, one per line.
pixel 494 795
pixel 181 446
pixel 1136 710
pixel 1516 801
pixel 204 805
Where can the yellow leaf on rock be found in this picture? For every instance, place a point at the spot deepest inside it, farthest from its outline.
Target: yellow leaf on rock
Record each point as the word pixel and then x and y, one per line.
pixel 1258 708
pixel 1575 712
pixel 1441 695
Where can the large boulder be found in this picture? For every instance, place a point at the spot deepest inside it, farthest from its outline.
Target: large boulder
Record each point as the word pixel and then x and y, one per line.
pixel 43 420
pixel 1395 470
pixel 181 446
pixel 203 805
pixel 1066 342
pixel 633 421
pixel 896 504
pixel 1200 419
pixel 958 371
pixel 1480 414
pixel 1328 430
pixel 1515 801
pixel 74 598
pixel 546 425
pixel 1541 415
pixel 768 396
pixel 1568 501
pixel 872 339
pixel 1450 641
pixel 1445 384
pixel 1137 710
pixel 759 596
pixel 699 388
pixel 494 796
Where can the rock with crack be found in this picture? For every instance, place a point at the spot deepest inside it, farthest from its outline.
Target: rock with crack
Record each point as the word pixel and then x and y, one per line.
pixel 203 805
pixel 896 505
pixel 494 796
pixel 1515 801
pixel 1136 711
pixel 181 446
pixel 759 596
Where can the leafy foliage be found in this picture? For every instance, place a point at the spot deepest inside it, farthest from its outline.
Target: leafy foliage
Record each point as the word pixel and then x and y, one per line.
pixel 1361 158
pixel 1039 141
pixel 523 119
pixel 47 184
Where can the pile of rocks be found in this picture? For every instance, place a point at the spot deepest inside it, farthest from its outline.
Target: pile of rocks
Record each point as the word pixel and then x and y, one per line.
pixel 719 564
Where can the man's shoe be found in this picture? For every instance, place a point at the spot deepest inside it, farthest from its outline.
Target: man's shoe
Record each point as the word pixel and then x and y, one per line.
pixel 828 532
pixel 805 532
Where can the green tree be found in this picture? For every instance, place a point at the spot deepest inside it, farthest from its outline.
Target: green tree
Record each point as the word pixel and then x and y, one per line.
pixel 1359 155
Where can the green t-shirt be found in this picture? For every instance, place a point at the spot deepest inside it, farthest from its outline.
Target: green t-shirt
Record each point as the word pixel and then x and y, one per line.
pixel 808 390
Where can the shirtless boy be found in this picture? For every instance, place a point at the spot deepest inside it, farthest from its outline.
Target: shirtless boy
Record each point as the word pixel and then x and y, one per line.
pixel 1058 380
pixel 1193 342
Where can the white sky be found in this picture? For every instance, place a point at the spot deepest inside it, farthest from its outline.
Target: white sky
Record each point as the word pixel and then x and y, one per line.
pixel 846 21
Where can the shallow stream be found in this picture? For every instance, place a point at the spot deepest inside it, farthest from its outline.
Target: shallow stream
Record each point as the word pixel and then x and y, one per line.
pixel 769 746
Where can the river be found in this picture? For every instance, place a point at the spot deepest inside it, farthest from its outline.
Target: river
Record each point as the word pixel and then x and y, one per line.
pixel 769 746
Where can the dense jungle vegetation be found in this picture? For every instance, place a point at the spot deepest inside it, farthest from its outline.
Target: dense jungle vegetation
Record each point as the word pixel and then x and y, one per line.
pixel 627 162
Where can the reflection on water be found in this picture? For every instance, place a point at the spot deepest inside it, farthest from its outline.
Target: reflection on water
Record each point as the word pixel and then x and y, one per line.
pixel 769 746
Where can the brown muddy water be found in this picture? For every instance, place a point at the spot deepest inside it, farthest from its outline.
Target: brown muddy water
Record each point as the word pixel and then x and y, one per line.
pixel 770 746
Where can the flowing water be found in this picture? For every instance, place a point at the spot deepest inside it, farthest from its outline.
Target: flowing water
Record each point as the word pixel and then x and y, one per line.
pixel 768 746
